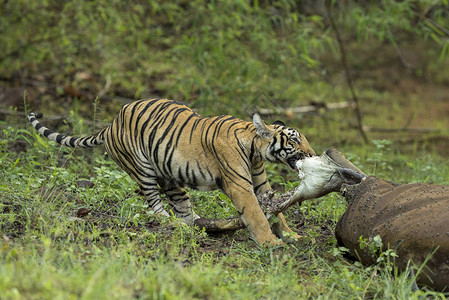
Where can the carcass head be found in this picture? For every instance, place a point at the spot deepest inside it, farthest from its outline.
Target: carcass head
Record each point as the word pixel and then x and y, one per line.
pixel 323 174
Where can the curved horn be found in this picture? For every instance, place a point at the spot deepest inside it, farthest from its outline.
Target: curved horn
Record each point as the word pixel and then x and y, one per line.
pixel 339 159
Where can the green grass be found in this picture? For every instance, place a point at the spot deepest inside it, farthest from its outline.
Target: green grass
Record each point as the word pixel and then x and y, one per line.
pixel 120 250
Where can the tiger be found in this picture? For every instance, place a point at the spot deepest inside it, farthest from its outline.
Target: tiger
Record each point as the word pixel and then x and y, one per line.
pixel 166 147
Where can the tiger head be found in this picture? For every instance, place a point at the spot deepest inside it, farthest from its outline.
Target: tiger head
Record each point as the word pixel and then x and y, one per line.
pixel 284 145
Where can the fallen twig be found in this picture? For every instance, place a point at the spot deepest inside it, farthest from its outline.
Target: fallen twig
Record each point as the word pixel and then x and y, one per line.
pixel 305 109
pixel 403 129
pixel 219 225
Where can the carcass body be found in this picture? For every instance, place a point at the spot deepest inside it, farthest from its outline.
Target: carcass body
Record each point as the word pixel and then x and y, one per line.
pixel 412 219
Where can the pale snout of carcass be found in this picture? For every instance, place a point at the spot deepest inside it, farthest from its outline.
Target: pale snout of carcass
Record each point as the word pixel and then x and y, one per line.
pixel 320 175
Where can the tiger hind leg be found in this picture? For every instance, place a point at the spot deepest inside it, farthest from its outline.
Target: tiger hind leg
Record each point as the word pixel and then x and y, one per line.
pixel 180 204
pixel 141 171
pixel 152 195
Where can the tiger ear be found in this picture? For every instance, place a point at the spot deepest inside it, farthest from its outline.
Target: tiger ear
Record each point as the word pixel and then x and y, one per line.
pixel 261 129
pixel 280 123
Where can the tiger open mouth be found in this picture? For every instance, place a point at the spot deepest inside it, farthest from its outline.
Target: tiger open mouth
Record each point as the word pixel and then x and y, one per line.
pixel 292 161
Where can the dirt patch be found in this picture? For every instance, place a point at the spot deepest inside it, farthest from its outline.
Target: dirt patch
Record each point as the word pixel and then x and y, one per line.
pixel 432 106
pixel 12 223
pixel 14 96
pixel 18 146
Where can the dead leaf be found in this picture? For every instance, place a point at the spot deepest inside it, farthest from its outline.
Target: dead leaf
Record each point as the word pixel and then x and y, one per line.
pixel 85 184
pixel 82 212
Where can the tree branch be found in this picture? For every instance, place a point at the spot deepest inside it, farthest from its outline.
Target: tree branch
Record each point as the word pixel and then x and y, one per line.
pixel 305 109
pixel 349 79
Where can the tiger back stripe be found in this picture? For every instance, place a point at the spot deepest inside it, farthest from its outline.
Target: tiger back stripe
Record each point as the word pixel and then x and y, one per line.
pixel 85 142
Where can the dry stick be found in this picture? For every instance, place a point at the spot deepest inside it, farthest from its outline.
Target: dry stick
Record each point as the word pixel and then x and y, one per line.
pixel 349 80
pixel 404 129
pixel 219 225
pixel 305 109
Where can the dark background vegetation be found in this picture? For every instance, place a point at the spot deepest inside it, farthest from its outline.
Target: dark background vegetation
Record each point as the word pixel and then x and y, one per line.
pixel 369 77
pixel 233 57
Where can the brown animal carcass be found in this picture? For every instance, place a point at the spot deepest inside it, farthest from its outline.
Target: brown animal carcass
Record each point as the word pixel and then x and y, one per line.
pixel 412 219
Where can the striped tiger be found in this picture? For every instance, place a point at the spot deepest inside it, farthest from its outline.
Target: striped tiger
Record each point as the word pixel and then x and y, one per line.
pixel 165 146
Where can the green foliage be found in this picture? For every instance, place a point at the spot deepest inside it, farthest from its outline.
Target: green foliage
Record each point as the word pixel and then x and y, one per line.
pixel 384 257
pixel 163 45
pixel 390 18
pixel 220 57
pixel 379 158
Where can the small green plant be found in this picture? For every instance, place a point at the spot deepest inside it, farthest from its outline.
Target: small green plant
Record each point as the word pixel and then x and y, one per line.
pixel 379 157
pixel 375 246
